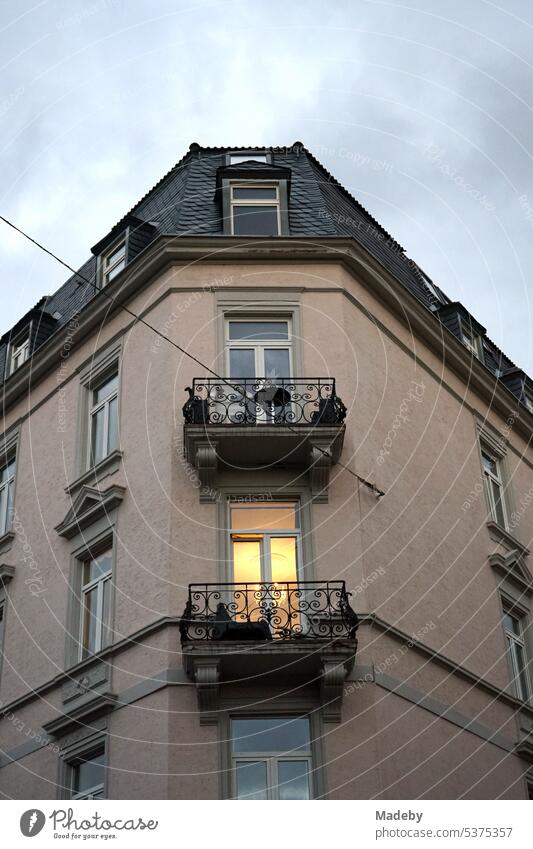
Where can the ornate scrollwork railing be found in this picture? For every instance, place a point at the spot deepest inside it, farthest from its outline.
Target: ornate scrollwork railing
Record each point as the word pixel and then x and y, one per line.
pixel 264 400
pixel 268 610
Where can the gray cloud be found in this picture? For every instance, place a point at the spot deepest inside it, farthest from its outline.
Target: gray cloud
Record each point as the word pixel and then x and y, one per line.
pixel 98 99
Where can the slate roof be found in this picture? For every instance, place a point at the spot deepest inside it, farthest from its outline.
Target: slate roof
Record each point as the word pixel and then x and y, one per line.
pixel 184 202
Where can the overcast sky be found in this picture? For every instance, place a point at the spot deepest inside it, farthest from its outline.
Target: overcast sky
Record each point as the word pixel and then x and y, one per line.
pixel 423 110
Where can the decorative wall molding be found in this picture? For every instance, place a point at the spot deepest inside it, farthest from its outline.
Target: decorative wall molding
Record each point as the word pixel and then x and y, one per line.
pixel 89 505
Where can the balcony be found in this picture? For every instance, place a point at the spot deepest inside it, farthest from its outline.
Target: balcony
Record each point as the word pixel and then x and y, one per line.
pixel 267 634
pixel 257 423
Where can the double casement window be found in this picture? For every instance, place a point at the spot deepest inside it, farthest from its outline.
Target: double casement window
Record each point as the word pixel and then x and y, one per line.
pixel 103 418
pixel 494 487
pixel 113 262
pixel 86 776
pixel 19 351
pixel 471 340
pixel 513 624
pixel 255 209
pixel 259 355
pixel 7 488
pixel 265 556
pixel 95 606
pixel 271 758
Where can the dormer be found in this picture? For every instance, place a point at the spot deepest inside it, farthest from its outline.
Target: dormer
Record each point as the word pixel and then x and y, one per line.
pixel 520 385
pixel 254 195
pixel 121 245
pixel 31 331
pixel 464 326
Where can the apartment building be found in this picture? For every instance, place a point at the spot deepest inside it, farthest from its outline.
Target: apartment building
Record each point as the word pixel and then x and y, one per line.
pixel 265 511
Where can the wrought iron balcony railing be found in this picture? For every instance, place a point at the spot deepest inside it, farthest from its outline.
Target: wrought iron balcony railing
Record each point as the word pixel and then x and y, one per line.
pixel 268 611
pixel 264 400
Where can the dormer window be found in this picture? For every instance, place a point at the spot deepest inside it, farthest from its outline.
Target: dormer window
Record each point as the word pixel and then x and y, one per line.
pixel 19 351
pixel 255 209
pixel 527 400
pixel 113 262
pixel 471 340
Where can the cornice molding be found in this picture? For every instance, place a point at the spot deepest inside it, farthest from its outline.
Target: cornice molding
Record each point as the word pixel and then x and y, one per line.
pixel 182 250
pixel 89 505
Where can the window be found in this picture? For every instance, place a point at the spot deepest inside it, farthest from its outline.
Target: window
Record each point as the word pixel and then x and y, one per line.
pixel 19 351
pixel 265 545
pixel 271 758
pixel 103 419
pixel 255 209
pixel 2 629
pixel 95 604
pixel 516 652
pixel 471 340
pixel 494 488
pixel 113 262
pixel 87 776
pixel 237 158
pixel 527 399
pixel 259 357
pixel 7 488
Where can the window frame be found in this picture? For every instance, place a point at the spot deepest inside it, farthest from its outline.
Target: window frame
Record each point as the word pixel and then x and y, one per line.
pixel 256 184
pixel 98 584
pixel 99 367
pixel 105 268
pixel 3 615
pixel 472 341
pixel 284 707
pixel 499 479
pixel 71 761
pixel 258 346
pixel 21 342
pixel 6 521
pixel 95 408
pixel 266 536
pixel 518 675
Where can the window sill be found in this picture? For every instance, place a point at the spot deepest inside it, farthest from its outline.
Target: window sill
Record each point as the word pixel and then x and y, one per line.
pixel 505 538
pixel 6 541
pixel 106 467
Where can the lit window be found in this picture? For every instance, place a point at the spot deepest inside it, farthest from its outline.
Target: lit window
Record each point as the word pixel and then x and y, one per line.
pixel 95 604
pixel 271 758
pixel 237 158
pixel 265 541
pixel 113 263
pixel 494 487
pixel 19 351
pixel 7 488
pixel 87 775
pixel 516 652
pixel 103 419
pixel 255 209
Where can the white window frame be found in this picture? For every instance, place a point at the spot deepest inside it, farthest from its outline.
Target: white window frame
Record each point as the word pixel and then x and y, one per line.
pixel 97 791
pixel 512 640
pixel 267 535
pixel 258 346
pixel 7 487
pixel 95 408
pixel 488 479
pixel 108 269
pixel 471 341
pixel 528 400
pixel 18 347
pixel 249 184
pixel 271 759
pixel 85 589
pixel 3 610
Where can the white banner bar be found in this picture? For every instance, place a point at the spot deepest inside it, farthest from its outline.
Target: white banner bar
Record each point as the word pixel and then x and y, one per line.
pixel 261 825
